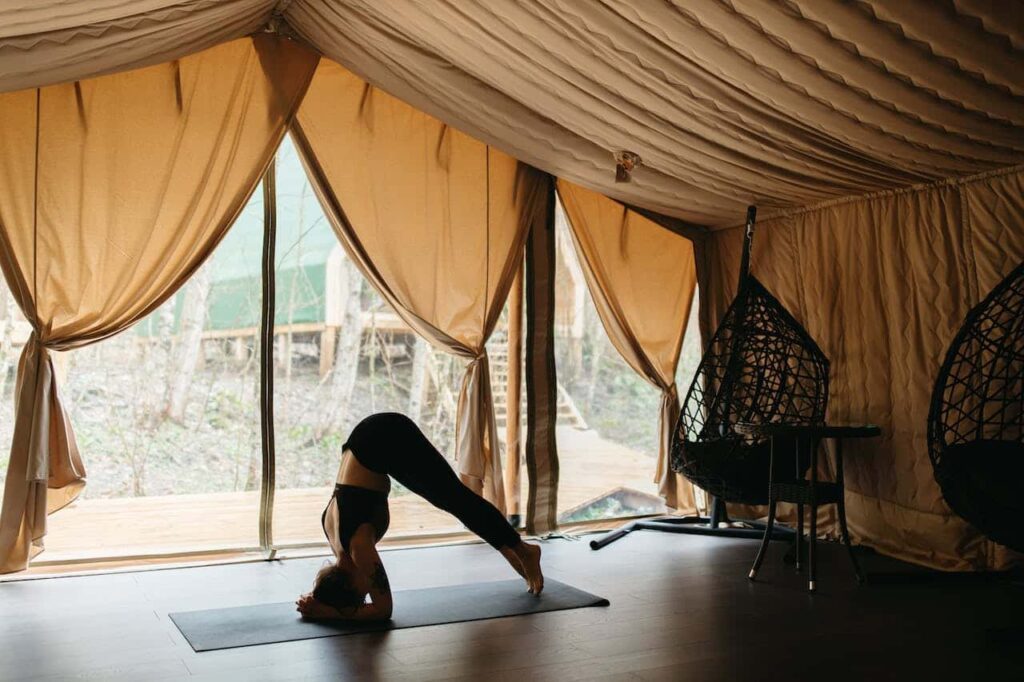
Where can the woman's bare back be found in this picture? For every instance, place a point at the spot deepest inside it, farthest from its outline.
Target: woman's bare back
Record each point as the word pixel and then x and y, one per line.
pixel 351 472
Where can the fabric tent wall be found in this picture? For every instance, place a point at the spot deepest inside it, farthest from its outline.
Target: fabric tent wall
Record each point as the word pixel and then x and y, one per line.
pixel 750 101
pixel 641 277
pixel 883 283
pixel 115 190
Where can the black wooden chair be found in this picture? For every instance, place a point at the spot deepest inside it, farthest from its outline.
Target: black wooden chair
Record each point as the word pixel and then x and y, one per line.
pixel 761 367
pixel 976 421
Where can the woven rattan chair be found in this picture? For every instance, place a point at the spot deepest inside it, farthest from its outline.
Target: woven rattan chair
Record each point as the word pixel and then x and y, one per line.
pixel 976 421
pixel 761 367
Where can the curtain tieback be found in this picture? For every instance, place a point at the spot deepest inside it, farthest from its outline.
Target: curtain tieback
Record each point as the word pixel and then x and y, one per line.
pixel 481 362
pixel 32 411
pixel 35 344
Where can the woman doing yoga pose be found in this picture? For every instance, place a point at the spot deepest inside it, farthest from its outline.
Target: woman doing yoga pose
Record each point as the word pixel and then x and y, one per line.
pixel 356 518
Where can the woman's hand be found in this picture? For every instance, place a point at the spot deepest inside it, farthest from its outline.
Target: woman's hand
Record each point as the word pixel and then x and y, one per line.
pixel 311 609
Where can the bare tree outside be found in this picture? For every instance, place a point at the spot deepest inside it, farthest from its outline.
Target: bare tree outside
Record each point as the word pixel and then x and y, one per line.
pixel 342 380
pixel 187 354
pixel 419 382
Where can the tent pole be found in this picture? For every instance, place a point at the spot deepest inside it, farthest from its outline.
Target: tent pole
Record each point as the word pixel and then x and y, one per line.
pixel 513 451
pixel 541 386
pixel 267 480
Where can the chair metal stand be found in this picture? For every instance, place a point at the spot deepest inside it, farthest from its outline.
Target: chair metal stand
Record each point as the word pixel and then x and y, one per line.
pixel 717 524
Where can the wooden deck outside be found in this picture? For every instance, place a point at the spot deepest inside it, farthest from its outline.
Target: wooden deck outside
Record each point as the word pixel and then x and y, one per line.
pixel 590 468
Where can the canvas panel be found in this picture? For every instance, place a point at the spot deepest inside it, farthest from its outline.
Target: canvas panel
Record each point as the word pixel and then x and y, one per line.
pixel 45 42
pixel 752 101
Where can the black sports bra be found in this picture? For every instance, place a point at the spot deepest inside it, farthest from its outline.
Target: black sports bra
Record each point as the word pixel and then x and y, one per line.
pixel 349 508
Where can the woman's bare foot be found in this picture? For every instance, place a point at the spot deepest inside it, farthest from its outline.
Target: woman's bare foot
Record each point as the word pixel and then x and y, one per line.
pixel 513 560
pixel 529 556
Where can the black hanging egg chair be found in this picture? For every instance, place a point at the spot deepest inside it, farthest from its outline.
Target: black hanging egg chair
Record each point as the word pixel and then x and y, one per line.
pixel 976 420
pixel 760 367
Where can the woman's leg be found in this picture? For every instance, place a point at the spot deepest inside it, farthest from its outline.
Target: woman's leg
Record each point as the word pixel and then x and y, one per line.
pixel 417 465
pixel 433 479
pixel 424 471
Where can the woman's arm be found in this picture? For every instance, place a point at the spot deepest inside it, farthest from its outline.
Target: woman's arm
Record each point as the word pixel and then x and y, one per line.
pixel 364 555
pixel 368 569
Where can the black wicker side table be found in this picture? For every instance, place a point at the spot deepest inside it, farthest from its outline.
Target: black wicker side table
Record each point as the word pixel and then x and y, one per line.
pixel 811 492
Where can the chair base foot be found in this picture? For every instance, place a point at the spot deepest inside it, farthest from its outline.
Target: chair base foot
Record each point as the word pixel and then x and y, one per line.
pixel 696 525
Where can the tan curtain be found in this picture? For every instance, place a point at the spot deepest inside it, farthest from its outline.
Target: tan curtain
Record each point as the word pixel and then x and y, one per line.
pixel 641 277
pixel 115 190
pixel 434 219
pixel 883 283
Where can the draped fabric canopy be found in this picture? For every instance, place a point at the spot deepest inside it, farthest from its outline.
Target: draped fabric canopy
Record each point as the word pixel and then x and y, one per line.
pixel 46 42
pixel 728 103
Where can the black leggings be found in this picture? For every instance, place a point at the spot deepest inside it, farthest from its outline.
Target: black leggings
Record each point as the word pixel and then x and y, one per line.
pixel 391 443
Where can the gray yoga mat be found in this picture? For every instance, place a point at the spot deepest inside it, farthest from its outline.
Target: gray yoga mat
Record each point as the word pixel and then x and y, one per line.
pixel 213 629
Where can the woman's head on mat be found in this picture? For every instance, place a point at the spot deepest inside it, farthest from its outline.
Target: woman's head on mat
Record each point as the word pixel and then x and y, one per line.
pixel 340 585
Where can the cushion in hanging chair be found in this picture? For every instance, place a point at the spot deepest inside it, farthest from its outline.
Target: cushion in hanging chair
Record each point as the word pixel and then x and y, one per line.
pixel 983 482
pixel 738 471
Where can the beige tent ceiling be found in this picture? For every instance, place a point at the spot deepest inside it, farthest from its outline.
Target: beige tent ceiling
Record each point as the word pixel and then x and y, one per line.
pixel 728 102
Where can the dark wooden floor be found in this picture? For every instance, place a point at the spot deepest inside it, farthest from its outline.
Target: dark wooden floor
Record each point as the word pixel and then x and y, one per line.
pixel 682 608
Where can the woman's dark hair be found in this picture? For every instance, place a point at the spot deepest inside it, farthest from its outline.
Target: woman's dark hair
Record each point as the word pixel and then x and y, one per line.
pixel 334 588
